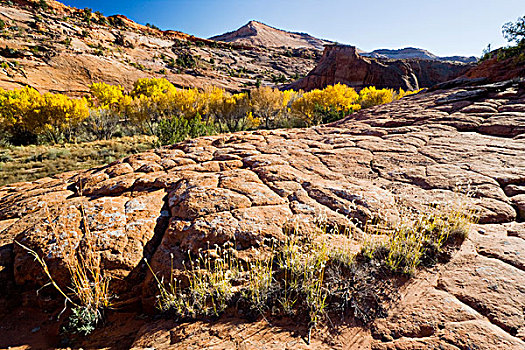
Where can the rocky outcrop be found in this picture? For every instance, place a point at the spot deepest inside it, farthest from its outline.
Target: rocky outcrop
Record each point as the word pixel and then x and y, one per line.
pixel 343 64
pixel 260 34
pixel 495 69
pixel 58 50
pixel 251 187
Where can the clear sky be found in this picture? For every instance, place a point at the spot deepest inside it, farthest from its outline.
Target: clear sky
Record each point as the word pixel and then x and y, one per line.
pixel 444 27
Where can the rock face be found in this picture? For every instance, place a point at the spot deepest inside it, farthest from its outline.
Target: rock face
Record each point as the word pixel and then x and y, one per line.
pixel 412 52
pixel 253 186
pixel 58 51
pixel 343 64
pixel 260 34
pixel 497 70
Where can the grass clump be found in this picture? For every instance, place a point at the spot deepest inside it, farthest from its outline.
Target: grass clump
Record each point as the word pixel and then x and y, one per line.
pixel 209 286
pixel 419 238
pixel 89 289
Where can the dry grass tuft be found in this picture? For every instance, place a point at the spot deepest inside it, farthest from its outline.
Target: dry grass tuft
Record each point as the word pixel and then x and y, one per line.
pixel 89 290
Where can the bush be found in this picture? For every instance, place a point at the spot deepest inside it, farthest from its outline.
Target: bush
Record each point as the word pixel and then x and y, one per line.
pixel 186 61
pixel 176 129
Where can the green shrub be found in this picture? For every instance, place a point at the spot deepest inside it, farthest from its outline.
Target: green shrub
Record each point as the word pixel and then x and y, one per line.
pixel 186 60
pixel 176 129
pixel 83 320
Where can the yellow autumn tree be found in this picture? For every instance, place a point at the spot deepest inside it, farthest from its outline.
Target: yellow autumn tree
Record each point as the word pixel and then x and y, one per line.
pixel 27 113
pixel 151 87
pixel 104 114
pixel 370 96
pixel 59 115
pixel 314 105
pixel 231 111
pixel 267 104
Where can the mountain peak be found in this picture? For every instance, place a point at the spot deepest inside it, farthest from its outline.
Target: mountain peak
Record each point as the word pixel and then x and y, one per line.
pixel 260 34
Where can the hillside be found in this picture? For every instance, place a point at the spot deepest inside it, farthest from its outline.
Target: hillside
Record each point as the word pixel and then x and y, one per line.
pixel 63 49
pixel 412 52
pixel 252 189
pixel 260 34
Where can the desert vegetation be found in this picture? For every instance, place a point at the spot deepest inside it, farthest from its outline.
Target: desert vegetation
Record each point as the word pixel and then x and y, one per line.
pixel 88 293
pixel 311 276
pixel 514 33
pixel 28 163
pixel 48 133
pixel 156 107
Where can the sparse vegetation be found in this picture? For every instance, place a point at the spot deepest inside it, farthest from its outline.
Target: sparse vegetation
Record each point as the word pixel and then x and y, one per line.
pixel 186 61
pixel 152 26
pixel 28 163
pixel 67 42
pixel 513 32
pixel 308 275
pixel 43 5
pixel 89 291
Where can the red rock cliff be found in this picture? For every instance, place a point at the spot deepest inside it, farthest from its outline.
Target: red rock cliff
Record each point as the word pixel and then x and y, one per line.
pixel 343 64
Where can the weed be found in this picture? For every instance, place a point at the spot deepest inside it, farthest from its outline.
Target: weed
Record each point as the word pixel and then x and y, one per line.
pixel 419 238
pixel 89 286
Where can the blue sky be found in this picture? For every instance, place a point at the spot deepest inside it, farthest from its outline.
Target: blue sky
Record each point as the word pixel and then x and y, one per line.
pixel 444 27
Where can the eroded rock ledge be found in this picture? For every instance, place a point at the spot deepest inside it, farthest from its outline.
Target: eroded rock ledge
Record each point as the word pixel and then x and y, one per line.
pixel 250 186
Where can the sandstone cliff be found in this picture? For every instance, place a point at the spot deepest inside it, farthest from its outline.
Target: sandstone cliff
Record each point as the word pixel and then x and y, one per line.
pixel 343 64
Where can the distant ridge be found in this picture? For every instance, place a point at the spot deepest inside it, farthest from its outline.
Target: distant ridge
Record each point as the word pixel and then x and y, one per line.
pixel 260 34
pixel 412 52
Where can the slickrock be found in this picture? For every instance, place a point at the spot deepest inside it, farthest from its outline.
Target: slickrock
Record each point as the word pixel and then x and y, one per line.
pixel 251 187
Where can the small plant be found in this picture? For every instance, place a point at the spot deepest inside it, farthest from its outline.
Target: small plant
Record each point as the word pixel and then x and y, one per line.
pixel 67 42
pixel 258 288
pixel 89 287
pixel 419 238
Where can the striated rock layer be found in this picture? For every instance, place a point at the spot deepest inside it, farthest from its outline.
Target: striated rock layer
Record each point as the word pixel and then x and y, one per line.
pixel 343 64
pixel 251 186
